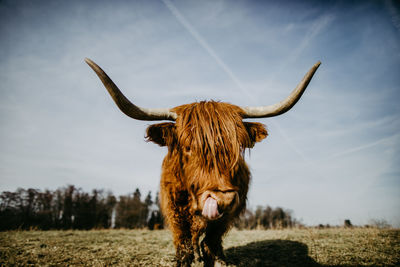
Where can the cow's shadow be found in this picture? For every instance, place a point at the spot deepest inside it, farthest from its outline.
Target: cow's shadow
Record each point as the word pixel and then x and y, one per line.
pixel 270 253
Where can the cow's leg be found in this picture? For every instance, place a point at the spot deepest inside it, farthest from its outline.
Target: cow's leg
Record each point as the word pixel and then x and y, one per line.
pixel 184 252
pixel 183 243
pixel 211 246
pixel 197 229
pixel 175 210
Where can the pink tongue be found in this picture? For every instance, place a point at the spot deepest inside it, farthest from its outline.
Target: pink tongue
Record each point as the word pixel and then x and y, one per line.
pixel 210 209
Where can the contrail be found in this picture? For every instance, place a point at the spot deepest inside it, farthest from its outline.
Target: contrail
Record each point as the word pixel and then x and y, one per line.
pixel 203 43
pixel 362 147
pixel 315 28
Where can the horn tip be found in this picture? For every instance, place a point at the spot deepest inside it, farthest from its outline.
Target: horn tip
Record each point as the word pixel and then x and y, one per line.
pixel 88 60
pixel 317 64
pixel 93 65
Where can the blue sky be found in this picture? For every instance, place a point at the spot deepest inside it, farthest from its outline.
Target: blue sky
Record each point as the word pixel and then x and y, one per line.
pixel 334 156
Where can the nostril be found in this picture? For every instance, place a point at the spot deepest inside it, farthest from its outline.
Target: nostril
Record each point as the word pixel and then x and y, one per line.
pixel 220 210
pixel 231 200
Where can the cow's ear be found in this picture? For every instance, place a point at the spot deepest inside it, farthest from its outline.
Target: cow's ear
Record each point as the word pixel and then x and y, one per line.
pixel 162 133
pixel 256 131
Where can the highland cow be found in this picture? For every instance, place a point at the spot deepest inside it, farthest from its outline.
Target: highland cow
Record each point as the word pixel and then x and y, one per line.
pixel 204 179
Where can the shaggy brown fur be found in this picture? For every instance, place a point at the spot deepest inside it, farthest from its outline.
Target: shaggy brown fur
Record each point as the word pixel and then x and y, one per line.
pixel 205 160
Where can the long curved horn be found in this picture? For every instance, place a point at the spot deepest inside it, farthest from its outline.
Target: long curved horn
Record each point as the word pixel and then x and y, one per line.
pixel 286 104
pixel 131 110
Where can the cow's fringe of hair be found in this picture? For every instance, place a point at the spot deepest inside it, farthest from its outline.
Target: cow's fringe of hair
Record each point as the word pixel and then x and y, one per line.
pixel 214 131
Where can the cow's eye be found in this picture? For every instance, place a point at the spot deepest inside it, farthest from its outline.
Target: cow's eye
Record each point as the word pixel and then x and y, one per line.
pixel 187 148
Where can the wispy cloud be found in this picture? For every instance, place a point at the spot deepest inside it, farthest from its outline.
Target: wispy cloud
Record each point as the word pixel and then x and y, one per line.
pixel 317 26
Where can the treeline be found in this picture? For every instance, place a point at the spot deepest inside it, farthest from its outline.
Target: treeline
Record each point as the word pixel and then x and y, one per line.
pixel 267 218
pixel 72 208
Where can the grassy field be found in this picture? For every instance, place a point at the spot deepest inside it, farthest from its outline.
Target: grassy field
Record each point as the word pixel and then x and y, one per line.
pixel 305 247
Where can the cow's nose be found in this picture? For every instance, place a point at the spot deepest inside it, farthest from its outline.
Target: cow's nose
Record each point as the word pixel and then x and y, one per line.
pixel 227 201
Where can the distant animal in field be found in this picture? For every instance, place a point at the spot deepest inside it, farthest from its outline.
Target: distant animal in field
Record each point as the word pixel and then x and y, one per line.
pixel 204 179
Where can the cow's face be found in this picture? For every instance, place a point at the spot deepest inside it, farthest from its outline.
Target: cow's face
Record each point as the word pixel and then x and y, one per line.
pixel 206 146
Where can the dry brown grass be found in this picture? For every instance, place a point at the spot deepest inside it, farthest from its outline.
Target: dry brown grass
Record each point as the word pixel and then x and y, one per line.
pixel 305 247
